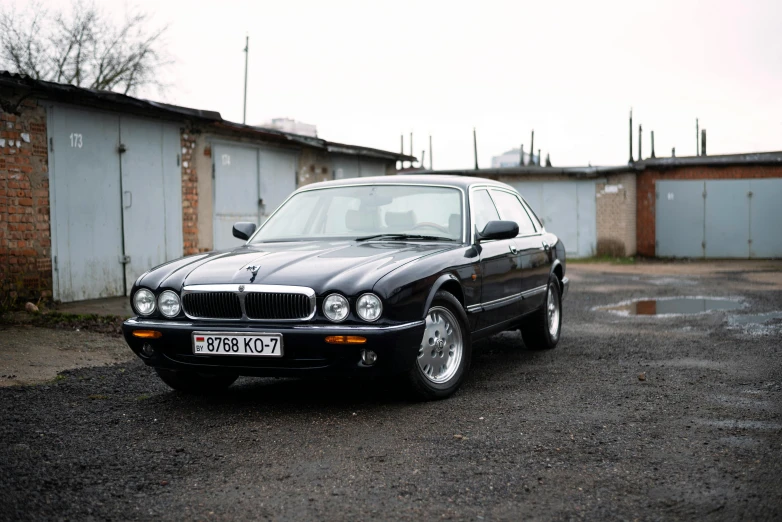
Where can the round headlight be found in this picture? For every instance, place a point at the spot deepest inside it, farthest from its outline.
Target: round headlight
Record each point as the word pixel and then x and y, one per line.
pixel 144 302
pixel 336 308
pixel 168 303
pixel 369 307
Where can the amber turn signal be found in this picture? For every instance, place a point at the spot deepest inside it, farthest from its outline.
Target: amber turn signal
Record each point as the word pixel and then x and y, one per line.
pixel 147 334
pixel 345 339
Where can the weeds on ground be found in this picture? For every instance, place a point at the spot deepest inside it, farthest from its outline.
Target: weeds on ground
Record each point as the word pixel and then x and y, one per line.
pixel 108 324
pixel 603 259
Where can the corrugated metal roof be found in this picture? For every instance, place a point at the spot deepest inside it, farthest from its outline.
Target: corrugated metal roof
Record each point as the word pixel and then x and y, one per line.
pixel 724 160
pixel 116 101
pixel 574 172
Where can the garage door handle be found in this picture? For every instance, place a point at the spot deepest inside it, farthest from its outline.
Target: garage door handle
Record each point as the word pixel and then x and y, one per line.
pixel 128 199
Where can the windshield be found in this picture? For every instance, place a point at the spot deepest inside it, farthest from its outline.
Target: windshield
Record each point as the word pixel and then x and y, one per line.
pixel 363 211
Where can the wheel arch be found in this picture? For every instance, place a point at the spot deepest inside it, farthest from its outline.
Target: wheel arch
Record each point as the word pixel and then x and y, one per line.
pixel 449 283
pixel 558 270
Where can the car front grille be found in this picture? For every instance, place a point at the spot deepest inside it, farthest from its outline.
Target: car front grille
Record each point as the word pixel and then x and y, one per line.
pixel 265 305
pixel 249 302
pixel 213 305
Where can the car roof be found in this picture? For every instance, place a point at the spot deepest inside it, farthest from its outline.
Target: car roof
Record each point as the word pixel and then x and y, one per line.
pixel 463 182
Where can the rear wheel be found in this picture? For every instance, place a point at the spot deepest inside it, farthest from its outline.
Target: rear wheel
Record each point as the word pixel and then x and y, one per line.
pixel 194 382
pixel 445 351
pixel 541 329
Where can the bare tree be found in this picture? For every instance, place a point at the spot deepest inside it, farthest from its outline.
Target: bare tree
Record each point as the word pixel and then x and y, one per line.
pixel 84 47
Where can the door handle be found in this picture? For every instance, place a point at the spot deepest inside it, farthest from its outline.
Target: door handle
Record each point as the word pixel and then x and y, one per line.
pixel 129 197
pixel 546 246
pixel 513 249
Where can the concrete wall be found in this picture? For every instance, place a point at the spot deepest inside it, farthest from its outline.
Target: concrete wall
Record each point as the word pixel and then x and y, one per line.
pixel 616 215
pixel 646 189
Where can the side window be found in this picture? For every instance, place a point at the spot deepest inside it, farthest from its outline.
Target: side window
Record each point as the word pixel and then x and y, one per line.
pixel 510 209
pixel 483 209
pixel 534 217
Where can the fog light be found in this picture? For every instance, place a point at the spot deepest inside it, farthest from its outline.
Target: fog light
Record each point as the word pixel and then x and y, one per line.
pixel 368 357
pixel 147 350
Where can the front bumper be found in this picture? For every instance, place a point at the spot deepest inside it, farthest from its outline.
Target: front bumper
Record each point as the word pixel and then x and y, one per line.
pixel 565 287
pixel 305 349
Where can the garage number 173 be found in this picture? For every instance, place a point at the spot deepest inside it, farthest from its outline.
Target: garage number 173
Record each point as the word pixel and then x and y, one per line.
pixel 76 140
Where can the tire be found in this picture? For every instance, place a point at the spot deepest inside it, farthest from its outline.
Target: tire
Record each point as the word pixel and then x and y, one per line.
pixel 542 329
pixel 194 382
pixel 431 377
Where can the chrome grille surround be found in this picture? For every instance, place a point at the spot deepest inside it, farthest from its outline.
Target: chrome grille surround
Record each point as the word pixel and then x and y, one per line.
pixel 294 300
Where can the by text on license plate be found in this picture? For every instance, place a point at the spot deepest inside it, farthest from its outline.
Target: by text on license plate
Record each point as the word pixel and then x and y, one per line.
pixel 246 345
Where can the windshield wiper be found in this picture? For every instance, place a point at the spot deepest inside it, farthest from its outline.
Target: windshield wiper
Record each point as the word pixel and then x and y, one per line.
pixel 404 236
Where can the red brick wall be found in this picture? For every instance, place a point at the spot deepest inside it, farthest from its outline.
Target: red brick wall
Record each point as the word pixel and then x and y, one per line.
pixel 646 184
pixel 25 237
pixel 189 194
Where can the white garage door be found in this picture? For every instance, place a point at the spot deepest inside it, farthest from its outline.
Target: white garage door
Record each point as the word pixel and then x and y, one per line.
pixel 250 183
pixel 566 208
pixel 116 200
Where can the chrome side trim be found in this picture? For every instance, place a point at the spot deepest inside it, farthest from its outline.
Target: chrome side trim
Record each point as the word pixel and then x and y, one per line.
pixel 250 288
pixel 497 303
pixel 534 291
pixel 490 305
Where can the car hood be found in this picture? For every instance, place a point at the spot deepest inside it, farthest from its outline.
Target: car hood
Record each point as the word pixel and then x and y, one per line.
pixel 349 267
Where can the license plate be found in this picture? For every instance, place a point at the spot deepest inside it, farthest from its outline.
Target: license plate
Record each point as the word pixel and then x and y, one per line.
pixel 254 345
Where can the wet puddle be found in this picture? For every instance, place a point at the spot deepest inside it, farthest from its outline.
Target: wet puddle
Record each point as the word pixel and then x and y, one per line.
pixel 673 306
pixel 755 318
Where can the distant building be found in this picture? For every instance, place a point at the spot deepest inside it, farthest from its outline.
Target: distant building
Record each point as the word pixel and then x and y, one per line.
pixel 292 126
pixel 511 159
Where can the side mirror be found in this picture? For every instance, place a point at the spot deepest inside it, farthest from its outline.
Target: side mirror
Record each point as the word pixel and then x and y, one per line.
pixel 499 230
pixel 244 229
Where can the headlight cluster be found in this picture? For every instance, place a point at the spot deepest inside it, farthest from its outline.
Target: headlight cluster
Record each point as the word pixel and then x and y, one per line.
pixel 368 307
pixel 168 303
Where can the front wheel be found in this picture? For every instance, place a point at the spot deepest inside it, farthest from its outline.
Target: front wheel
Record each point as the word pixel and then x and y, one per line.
pixel 541 329
pixel 194 382
pixel 445 351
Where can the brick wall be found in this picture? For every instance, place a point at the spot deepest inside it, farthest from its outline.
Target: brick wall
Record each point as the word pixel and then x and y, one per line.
pixel 314 166
pixel 25 237
pixel 646 184
pixel 189 194
pixel 616 215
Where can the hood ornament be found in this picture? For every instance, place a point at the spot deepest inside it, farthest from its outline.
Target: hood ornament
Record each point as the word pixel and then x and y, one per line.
pixel 254 269
pixel 241 288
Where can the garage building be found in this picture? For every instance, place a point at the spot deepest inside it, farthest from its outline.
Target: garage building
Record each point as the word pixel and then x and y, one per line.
pixel 97 187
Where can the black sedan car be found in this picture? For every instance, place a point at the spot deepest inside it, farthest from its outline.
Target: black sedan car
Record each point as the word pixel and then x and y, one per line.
pixel 392 276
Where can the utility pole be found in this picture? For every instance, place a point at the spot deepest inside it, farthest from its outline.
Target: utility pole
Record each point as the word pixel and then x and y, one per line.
pixel 653 144
pixel 411 149
pixel 430 152
pixel 246 56
pixel 475 146
pixel 640 141
pixel 532 148
pixel 631 134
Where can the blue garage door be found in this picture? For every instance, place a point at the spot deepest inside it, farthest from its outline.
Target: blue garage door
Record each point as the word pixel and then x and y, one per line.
pixel 719 218
pixel 567 209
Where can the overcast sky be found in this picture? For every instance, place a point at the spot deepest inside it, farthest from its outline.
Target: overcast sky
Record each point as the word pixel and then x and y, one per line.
pixel 367 71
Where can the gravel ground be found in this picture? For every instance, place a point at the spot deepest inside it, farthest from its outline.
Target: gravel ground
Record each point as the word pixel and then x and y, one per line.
pixel 566 434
